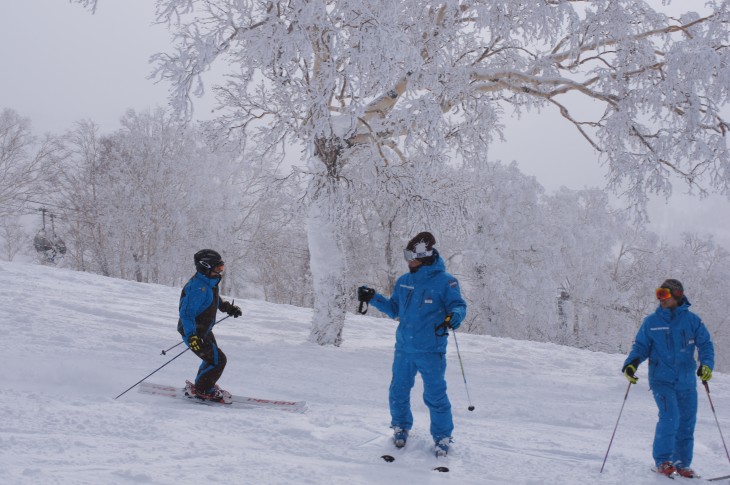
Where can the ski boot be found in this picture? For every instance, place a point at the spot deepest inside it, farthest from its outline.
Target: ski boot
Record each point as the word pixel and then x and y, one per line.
pixel 400 436
pixel 667 469
pixel 215 394
pixel 687 473
pixel 441 447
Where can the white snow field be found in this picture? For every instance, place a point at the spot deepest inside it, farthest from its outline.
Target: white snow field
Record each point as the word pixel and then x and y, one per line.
pixel 70 342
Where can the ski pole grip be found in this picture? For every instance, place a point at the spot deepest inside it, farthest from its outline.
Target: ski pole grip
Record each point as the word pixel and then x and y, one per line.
pixel 361 310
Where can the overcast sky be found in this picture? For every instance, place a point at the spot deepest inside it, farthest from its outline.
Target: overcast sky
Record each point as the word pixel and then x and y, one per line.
pixel 60 64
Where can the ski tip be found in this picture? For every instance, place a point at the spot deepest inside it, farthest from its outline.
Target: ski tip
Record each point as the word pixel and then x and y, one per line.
pixel 388 458
pixel 442 469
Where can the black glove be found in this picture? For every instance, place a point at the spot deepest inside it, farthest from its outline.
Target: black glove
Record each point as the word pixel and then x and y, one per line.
pixel 234 311
pixel 194 342
pixel 231 309
pixel 365 294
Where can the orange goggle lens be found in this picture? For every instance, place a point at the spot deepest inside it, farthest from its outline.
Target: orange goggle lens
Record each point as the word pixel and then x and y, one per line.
pixel 663 293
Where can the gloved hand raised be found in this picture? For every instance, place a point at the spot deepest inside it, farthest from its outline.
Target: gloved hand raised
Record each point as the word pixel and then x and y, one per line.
pixel 629 371
pixel 231 309
pixel 365 294
pixel 194 342
pixel 704 372
pixel 234 311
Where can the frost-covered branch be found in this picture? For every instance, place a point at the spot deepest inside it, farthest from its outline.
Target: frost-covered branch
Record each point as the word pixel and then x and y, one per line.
pixel 89 4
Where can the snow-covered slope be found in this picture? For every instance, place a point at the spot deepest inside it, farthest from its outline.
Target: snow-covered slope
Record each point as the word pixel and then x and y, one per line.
pixel 72 341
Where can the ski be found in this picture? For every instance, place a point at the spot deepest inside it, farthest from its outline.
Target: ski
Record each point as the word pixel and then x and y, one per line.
pixel 391 459
pixel 237 401
pixel 717 479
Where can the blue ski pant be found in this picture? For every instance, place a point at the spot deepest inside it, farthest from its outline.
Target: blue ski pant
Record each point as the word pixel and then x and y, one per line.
pixel 674 437
pixel 432 366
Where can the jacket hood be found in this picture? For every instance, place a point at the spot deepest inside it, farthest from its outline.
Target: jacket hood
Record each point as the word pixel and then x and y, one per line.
pixel 666 314
pixel 207 280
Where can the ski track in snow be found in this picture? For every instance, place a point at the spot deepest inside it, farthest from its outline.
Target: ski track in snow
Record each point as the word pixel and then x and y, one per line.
pixel 72 341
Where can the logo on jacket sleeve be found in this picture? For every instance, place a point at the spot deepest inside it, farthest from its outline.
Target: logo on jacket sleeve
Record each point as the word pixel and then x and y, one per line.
pixel 453 283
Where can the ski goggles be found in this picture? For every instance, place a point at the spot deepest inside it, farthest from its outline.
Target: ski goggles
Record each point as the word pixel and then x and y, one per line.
pixel 216 269
pixel 411 255
pixel 213 265
pixel 663 293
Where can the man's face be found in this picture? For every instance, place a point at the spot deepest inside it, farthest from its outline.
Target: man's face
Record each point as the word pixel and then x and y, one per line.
pixel 670 303
pixel 217 271
pixel 414 263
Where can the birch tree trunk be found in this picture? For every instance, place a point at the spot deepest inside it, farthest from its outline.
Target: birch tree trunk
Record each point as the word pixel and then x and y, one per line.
pixel 327 260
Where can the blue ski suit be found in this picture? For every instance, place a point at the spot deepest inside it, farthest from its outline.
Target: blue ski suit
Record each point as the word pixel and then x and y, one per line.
pixel 669 339
pixel 421 300
pixel 199 303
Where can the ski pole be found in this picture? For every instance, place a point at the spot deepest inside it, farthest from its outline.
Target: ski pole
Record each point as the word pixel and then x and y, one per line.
pixel 712 406
pixel 471 407
pixel 160 367
pixel 164 352
pixel 616 427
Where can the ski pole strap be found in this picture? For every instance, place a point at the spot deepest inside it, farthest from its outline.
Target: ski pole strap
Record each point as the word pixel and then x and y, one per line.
pixel 360 309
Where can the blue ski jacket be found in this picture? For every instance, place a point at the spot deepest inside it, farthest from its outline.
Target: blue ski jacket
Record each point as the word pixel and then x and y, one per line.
pixel 668 338
pixel 421 300
pixel 199 304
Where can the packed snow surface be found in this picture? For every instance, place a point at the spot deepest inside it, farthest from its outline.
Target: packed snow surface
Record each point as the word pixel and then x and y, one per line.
pixel 72 341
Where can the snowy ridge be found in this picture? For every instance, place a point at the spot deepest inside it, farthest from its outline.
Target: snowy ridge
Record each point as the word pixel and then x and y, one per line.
pixel 72 341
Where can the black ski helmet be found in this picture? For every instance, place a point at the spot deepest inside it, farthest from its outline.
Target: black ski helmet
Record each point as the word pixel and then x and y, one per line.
pixel 207 259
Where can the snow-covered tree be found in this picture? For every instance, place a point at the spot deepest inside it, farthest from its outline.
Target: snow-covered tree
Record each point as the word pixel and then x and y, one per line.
pixel 414 83
pixel 81 192
pixel 12 237
pixel 581 231
pixel 127 197
pixel 26 163
pixel 505 267
pixel 138 203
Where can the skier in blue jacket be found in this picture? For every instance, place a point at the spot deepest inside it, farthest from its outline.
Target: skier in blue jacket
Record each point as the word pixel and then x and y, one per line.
pixel 199 303
pixel 428 302
pixel 669 338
